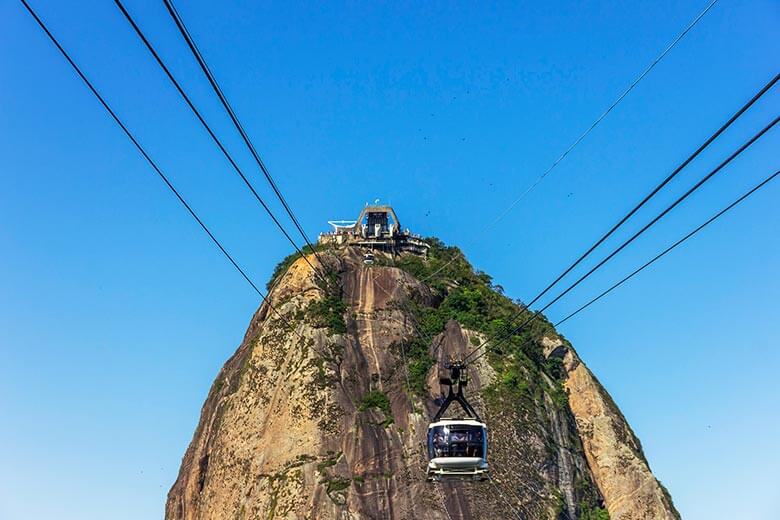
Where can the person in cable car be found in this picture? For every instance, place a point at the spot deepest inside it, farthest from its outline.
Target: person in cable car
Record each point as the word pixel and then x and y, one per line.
pixel 457 449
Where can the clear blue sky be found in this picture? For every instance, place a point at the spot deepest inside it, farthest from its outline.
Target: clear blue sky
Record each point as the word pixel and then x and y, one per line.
pixel 116 312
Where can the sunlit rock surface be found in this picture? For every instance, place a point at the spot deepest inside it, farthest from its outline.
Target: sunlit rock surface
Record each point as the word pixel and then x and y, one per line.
pixel 283 435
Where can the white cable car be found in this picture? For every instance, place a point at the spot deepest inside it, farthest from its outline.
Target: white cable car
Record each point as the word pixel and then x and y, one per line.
pixel 457 448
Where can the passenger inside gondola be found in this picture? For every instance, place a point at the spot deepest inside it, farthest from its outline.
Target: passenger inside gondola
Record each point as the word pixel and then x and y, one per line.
pixel 456 441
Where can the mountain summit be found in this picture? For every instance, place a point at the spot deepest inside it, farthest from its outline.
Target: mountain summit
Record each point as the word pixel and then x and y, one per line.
pixel 329 420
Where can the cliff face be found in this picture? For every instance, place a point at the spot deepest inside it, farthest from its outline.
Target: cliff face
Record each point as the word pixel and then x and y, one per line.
pixel 330 422
pixel 613 452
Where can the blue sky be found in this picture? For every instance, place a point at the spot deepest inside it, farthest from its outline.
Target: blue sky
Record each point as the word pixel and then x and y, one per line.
pixel 116 312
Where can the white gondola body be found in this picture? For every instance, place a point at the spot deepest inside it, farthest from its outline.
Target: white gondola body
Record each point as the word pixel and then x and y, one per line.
pixel 457 450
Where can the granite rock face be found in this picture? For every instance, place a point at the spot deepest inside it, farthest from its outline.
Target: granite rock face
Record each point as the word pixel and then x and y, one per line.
pixel 287 430
pixel 613 452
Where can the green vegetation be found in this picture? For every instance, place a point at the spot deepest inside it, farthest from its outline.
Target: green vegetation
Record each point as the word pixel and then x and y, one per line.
pixel 325 464
pixel 419 363
pixel 559 397
pixel 376 399
pixel 326 313
pixel 590 503
pixel 288 260
pixel 333 483
pixel 332 460
pixel 593 513
pixel 559 505
pixel 329 312
pixel 471 298
pixel 338 484
pixel 554 367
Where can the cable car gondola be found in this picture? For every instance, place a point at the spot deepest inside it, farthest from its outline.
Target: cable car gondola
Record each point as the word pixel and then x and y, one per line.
pixel 457 447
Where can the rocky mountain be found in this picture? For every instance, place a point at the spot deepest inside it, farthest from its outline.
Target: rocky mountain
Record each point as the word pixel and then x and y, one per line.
pixel 329 421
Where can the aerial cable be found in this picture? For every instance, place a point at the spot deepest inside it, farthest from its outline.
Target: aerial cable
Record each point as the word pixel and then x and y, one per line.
pixel 655 190
pixel 214 136
pixel 151 162
pixel 444 503
pixel 671 247
pixel 602 116
pixel 485 351
pixel 234 118
pixel 590 129
pixel 647 226
pixel 657 257
pixel 650 195
pixel 658 188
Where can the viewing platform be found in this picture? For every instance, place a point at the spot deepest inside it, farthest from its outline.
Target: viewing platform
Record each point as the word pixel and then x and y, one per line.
pixel 376 228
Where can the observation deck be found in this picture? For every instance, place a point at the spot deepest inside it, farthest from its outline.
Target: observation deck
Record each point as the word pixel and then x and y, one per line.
pixel 376 228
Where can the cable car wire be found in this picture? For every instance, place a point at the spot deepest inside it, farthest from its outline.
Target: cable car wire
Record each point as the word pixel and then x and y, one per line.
pixel 151 162
pixel 655 190
pixel 213 136
pixel 660 186
pixel 689 235
pixel 603 115
pixel 709 221
pixel 234 118
pixel 651 194
pixel 647 226
pixel 444 503
pixel 591 128
pixel 671 247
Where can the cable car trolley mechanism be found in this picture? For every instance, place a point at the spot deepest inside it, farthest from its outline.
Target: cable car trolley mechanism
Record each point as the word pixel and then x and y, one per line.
pixel 457 447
